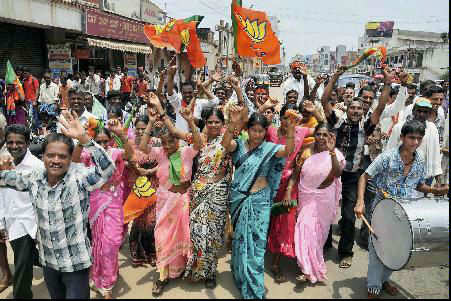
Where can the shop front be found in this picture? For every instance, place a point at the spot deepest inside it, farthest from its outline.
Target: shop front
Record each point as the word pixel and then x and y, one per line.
pixel 112 41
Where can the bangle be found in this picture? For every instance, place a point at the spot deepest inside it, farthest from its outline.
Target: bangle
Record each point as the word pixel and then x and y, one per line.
pixel 332 153
pixel 290 137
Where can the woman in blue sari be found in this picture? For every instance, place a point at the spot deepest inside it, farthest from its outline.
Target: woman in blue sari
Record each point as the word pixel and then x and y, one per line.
pixel 258 167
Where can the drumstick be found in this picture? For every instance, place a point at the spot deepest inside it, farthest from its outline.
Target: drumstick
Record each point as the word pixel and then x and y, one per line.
pixel 369 227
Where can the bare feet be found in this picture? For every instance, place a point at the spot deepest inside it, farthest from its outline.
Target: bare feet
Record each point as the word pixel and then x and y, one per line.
pixel 390 289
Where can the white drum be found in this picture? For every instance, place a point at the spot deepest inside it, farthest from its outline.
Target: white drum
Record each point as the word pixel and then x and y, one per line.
pixel 411 233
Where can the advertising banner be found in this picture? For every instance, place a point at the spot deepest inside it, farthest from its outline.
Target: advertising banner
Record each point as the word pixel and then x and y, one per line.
pixel 59 56
pixel 131 62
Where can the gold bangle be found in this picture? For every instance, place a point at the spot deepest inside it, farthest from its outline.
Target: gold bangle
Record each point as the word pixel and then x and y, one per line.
pixel 332 153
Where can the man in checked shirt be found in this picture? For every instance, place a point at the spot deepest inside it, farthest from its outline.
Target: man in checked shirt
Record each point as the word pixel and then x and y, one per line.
pixel 60 197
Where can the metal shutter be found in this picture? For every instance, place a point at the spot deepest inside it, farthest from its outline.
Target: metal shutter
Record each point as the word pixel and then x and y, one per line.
pixel 23 46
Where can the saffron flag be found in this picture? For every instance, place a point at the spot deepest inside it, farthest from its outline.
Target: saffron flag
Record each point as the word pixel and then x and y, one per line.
pixel 254 35
pixel 176 34
pixel 166 36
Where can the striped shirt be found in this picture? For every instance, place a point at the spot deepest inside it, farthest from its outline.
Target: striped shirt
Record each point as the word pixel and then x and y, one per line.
pixel 62 210
pixel 351 139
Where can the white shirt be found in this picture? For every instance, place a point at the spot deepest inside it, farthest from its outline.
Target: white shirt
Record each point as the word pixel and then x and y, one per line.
pixel 176 101
pixel 16 210
pixel 203 103
pixel 116 84
pixel 94 84
pixel 48 95
pixel 293 84
pixel 429 148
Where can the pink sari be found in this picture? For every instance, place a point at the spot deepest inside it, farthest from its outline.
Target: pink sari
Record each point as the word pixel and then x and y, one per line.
pixel 172 232
pixel 317 209
pixel 106 219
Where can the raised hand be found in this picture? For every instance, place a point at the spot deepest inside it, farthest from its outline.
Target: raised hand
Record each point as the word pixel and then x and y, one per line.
pixel 341 70
pixel 273 101
pixel 6 163
pixel 235 114
pixel 217 76
pixel 71 126
pixel 188 112
pixel 172 70
pixel 152 114
pixel 319 80
pixel 331 141
pixel 389 76
pixel 303 69
pixel 115 126
pixel 155 102
pixel 234 81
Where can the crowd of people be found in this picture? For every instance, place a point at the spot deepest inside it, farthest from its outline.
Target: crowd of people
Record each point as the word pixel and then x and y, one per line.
pixel 188 168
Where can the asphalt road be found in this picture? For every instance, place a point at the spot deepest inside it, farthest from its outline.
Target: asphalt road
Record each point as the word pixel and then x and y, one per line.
pixel 427 283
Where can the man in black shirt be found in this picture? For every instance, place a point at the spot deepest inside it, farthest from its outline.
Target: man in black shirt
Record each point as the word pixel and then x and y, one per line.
pixel 352 130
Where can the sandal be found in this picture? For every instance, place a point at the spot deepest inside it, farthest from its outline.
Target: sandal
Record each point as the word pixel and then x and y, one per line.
pixel 279 277
pixel 301 278
pixel 345 263
pixel 158 287
pixel 373 296
pixel 390 289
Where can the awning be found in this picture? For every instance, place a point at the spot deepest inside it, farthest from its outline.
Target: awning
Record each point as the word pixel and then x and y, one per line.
pixel 126 47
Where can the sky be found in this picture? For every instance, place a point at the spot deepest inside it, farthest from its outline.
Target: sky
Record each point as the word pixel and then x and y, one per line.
pixel 305 26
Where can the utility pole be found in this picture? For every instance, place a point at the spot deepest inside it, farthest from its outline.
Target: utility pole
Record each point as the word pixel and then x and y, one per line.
pixel 221 28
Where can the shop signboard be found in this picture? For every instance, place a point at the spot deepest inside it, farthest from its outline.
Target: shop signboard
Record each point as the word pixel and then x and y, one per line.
pixel 60 60
pixel 151 13
pixel 127 8
pixel 131 62
pixel 380 29
pixel 109 26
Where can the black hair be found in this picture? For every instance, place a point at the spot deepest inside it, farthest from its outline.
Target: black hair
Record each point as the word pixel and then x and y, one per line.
pixel 257 119
pixel 394 91
pixel 424 85
pixel 286 107
pixel 350 85
pixel 411 86
pixel 220 87
pixel 327 126
pixel 188 83
pixel 58 137
pixel 116 110
pixel 18 129
pixel 142 118
pixel 73 91
pixel 105 131
pixel 432 90
pixel 413 127
pixel 368 89
pixel 209 111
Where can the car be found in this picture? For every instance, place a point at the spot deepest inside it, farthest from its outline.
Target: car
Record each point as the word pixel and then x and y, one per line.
pixel 275 76
pixel 354 78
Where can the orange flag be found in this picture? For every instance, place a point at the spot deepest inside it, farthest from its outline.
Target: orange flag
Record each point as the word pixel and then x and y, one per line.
pixel 166 36
pixel 191 41
pixel 254 35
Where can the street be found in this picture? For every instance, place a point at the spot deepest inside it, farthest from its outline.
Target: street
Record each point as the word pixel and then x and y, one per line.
pixel 342 283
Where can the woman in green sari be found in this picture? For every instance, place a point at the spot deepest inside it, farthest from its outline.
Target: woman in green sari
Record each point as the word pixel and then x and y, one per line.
pixel 258 167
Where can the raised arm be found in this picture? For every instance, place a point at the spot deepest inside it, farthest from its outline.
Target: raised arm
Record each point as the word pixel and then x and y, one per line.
pixel 171 74
pixel 103 165
pixel 187 114
pixel 233 127
pixel 328 91
pixel 235 82
pixel 115 126
pixel 375 116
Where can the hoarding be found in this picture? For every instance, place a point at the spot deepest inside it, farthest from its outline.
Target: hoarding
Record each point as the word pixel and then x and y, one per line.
pixel 151 13
pixel 127 8
pixel 380 29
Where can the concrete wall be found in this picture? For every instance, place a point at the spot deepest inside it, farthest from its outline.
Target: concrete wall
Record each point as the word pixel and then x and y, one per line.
pixel 41 13
pixel 433 60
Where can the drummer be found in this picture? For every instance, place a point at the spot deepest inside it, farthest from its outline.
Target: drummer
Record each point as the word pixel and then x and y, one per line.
pixel 397 172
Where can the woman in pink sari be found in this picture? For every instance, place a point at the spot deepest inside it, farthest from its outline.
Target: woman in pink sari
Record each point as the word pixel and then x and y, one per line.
pixel 105 215
pixel 320 168
pixel 175 162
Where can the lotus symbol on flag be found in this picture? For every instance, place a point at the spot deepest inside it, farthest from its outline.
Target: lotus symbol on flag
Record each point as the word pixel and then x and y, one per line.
pixel 168 27
pixel 257 32
pixel 185 37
